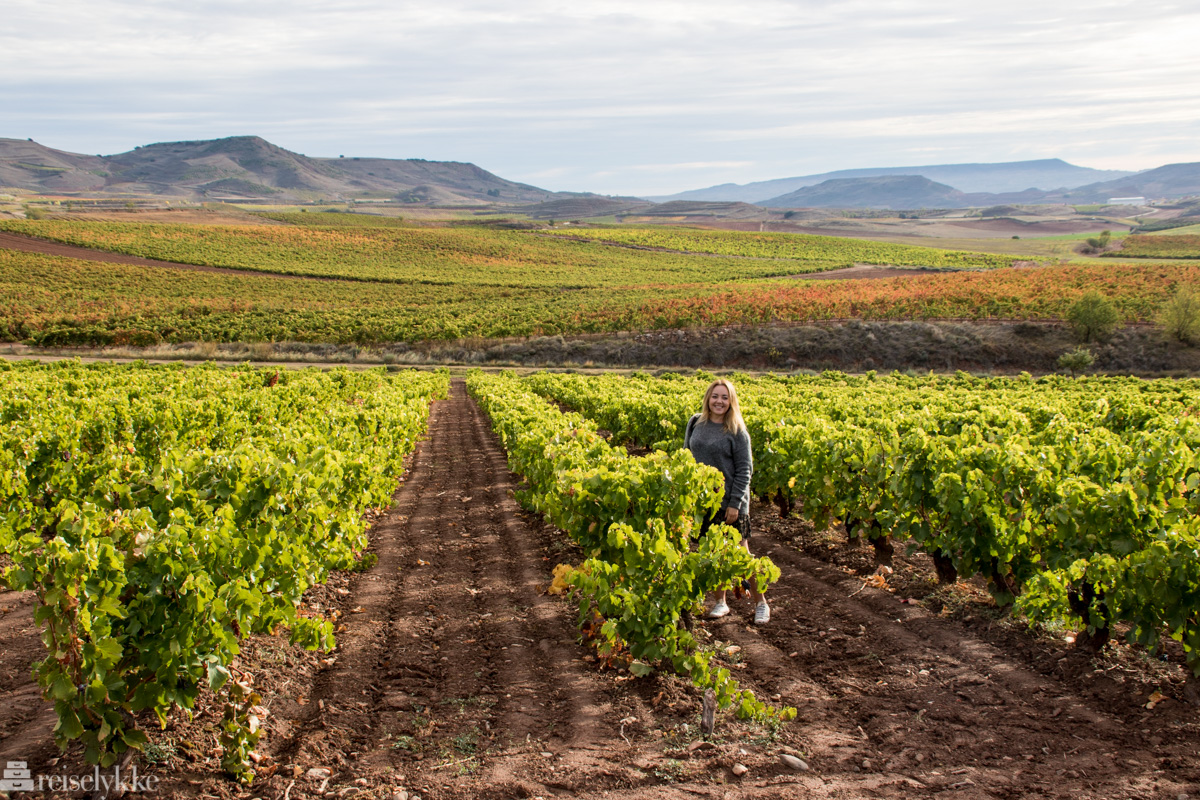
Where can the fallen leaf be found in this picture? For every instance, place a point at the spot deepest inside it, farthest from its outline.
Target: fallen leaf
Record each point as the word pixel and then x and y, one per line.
pixel 559 585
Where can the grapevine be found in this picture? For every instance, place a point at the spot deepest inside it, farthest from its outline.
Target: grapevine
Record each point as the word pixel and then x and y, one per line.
pixel 160 515
pixel 634 518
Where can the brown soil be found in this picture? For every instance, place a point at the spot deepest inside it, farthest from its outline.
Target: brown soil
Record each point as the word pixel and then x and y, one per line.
pixel 862 271
pixel 457 677
pixel 1002 226
pixel 26 721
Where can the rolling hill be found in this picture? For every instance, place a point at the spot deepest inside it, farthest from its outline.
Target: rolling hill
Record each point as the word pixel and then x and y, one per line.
pixel 249 167
pixel 889 191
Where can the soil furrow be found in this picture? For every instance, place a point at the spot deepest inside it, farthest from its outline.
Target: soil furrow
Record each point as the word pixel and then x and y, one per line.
pixel 333 710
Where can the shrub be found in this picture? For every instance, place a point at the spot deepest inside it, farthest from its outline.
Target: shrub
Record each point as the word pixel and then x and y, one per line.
pixel 1076 361
pixel 1093 317
pixel 1097 244
pixel 1180 316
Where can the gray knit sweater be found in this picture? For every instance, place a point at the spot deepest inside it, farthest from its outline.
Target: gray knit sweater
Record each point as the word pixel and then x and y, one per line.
pixel 711 444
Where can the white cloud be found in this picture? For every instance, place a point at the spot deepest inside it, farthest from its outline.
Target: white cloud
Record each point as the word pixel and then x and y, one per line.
pixel 608 95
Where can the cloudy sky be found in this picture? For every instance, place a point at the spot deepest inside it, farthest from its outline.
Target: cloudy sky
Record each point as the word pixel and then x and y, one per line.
pixel 616 96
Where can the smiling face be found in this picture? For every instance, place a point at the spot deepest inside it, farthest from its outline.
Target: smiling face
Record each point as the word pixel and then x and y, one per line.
pixel 718 403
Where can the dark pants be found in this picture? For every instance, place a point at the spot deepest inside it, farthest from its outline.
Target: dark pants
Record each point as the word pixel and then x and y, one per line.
pixel 742 524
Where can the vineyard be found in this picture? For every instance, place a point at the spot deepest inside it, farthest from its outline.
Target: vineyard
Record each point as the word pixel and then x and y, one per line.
pixel 1076 501
pixel 462 257
pixel 54 300
pixel 1158 246
pixel 798 247
pixel 169 531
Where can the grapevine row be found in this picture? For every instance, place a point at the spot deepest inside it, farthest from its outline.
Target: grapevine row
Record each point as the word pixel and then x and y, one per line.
pixel 634 519
pixel 160 515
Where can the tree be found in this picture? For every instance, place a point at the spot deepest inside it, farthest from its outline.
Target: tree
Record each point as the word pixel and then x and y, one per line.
pixel 1076 361
pixel 1093 317
pixel 1180 316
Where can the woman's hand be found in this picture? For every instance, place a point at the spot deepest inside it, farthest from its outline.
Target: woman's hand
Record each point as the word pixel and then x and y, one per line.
pixel 731 516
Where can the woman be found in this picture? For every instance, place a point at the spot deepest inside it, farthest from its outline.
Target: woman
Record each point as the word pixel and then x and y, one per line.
pixel 717 436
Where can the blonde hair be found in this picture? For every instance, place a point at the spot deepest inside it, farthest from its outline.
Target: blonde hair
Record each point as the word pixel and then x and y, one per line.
pixel 733 417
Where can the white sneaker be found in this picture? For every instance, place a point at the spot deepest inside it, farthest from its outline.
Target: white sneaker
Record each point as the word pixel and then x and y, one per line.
pixel 762 613
pixel 719 610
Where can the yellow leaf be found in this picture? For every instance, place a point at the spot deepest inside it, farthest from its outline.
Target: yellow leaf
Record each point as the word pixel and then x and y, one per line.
pixel 560 585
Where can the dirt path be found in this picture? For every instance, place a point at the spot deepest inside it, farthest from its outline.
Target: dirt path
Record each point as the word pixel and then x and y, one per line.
pixel 867 271
pixel 457 677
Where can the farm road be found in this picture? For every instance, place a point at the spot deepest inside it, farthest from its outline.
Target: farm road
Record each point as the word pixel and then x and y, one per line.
pixel 457 677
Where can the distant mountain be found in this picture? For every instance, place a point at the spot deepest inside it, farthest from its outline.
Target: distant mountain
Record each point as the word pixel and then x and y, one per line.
pixel 889 191
pixel 912 191
pixel 1172 180
pixel 249 167
pixel 1012 176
